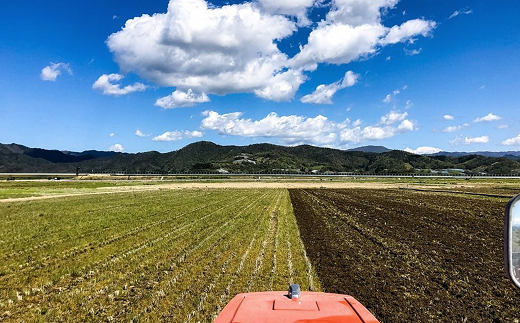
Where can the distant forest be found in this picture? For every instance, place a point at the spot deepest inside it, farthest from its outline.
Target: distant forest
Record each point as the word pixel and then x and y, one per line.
pixel 206 156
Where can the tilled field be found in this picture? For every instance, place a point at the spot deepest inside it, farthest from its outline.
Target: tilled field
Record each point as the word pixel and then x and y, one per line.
pixel 410 256
pixel 172 256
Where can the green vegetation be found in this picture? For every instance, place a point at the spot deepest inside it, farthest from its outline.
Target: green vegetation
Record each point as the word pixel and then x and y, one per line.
pixel 166 255
pixel 209 157
pixel 15 189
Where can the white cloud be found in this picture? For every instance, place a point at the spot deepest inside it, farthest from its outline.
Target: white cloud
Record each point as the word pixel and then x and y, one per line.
pixel 460 12
pixel 296 8
pixel 115 17
pixel 406 126
pixel 323 93
pixel 51 72
pixel 455 128
pixel 112 135
pixel 448 117
pixel 108 84
pixel 357 13
pixel 476 140
pixel 241 54
pixel 117 148
pixel 290 129
pixel 425 150
pixel 181 99
pixel 377 132
pixel 178 135
pixel 338 44
pixel 139 133
pixel 295 129
pixel 407 30
pixel 388 98
pixel 515 141
pixel 412 52
pixel 490 117
pixel 392 117
pixel 238 55
pixel 503 126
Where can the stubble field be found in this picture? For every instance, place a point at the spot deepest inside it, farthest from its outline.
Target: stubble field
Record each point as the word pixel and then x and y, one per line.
pixel 171 253
pixel 176 256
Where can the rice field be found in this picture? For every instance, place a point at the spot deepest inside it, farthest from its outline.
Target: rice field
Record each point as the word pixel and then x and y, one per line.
pixel 104 252
pixel 173 255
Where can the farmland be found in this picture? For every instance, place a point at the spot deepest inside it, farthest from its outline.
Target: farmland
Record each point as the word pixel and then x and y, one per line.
pixel 410 256
pixel 424 250
pixel 146 256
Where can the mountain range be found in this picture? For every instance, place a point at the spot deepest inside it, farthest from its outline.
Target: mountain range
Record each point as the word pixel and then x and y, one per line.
pixel 207 156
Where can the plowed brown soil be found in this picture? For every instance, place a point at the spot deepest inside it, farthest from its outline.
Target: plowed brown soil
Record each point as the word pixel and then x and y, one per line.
pixel 410 256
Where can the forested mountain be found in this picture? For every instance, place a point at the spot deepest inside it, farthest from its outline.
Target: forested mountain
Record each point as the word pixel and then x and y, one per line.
pixel 207 156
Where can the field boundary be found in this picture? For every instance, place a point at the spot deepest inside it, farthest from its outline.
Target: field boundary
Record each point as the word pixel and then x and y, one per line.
pixel 458 192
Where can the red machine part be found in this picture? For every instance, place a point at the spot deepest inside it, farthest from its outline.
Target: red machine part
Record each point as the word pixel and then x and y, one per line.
pixel 310 307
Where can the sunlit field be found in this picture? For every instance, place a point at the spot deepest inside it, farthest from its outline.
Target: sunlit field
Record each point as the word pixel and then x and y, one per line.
pixel 145 256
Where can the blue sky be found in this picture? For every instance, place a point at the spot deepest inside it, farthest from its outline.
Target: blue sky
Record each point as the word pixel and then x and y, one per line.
pixel 137 76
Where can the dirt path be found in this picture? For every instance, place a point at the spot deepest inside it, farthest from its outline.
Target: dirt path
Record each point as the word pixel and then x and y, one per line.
pixel 229 185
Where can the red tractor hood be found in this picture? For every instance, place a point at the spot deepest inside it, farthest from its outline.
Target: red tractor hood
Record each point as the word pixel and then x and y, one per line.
pixel 277 307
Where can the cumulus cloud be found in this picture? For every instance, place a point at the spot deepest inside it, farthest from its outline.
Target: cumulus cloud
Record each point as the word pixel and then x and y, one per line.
pixel 108 84
pixel 323 93
pixel 296 8
pixel 111 135
pixel 377 132
pixel 338 44
pixel 178 135
pixel 51 72
pixel 290 129
pixel 425 150
pixel 139 133
pixel 240 54
pixel 407 30
pixel 116 148
pixel 455 128
pixel 460 12
pixel 515 141
pixel 181 99
pixel 448 117
pixel 357 13
pixel 353 30
pixel 476 140
pixel 294 129
pixel 384 129
pixel 490 117
pixel 392 117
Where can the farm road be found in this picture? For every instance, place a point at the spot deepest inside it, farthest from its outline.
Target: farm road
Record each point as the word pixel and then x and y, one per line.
pixel 236 185
pixel 197 185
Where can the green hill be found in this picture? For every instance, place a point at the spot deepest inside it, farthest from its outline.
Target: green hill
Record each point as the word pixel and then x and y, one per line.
pixel 206 156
